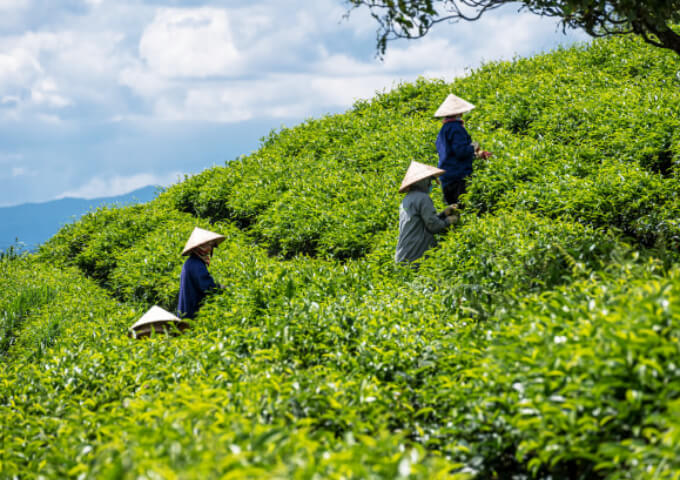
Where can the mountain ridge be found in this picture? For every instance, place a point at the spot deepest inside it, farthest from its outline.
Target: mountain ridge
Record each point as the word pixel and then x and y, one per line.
pixel 33 223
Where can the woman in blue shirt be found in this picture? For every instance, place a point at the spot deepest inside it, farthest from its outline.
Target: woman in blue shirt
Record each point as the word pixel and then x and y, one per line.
pixel 195 281
pixel 455 147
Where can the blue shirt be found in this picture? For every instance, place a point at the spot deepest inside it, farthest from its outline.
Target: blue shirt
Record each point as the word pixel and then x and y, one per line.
pixel 194 284
pixel 456 152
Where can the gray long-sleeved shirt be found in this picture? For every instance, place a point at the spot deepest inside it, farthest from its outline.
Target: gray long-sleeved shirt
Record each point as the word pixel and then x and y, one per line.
pixel 418 222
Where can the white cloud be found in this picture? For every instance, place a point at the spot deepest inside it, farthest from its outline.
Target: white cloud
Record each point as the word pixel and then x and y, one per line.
pixel 84 74
pixel 142 81
pixel 49 118
pixel 17 67
pixel 12 168
pixel 247 28
pixel 42 71
pixel 10 100
pixel 190 43
pixel 90 55
pixel 416 58
pixel 22 172
pixel 120 185
pixel 236 102
pixel 433 54
pixel 338 91
pixel 286 95
pixel 13 4
pixel 217 65
pixel 10 157
pixel 343 65
pixel 45 92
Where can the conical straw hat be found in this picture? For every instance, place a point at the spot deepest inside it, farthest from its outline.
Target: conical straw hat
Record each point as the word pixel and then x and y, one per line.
pixel 200 237
pixel 416 172
pixel 158 320
pixel 453 106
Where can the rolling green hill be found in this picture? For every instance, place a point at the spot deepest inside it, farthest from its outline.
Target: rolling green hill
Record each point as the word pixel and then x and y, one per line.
pixel 540 339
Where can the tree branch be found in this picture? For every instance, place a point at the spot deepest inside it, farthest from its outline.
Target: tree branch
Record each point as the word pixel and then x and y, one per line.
pixel 413 19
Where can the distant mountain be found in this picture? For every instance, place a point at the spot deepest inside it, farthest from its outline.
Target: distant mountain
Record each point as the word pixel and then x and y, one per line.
pixel 33 223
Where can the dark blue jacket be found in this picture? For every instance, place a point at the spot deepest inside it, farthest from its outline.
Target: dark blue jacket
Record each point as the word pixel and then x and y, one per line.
pixel 456 152
pixel 194 284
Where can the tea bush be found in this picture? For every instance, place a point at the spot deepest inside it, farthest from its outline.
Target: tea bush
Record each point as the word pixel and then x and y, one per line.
pixel 585 375
pixel 539 339
pixel 514 253
pixel 42 300
pixel 149 271
pixel 93 243
pixel 25 291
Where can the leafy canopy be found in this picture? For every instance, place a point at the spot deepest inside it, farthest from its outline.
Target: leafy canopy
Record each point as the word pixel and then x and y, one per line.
pixel 653 20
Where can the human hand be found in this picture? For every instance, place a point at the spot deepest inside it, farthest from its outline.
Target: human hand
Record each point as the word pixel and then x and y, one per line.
pixel 475 147
pixel 451 219
pixel 451 209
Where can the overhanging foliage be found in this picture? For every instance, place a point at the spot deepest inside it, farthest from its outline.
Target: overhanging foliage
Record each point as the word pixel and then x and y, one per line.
pixel 653 20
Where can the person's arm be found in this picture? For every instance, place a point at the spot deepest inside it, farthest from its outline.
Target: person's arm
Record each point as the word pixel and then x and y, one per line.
pixel 204 280
pixel 461 145
pixel 442 145
pixel 433 223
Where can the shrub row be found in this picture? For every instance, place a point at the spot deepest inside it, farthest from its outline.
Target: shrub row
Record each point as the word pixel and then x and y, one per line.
pixel 538 340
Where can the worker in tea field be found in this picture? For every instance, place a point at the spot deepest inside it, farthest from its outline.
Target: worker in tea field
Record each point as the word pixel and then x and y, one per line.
pixel 455 147
pixel 195 281
pixel 418 219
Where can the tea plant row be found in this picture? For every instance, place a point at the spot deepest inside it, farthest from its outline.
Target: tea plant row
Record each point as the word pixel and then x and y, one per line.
pixel 539 339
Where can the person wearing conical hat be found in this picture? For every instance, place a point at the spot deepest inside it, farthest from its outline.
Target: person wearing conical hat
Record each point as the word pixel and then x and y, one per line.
pixel 157 320
pixel 455 147
pixel 418 219
pixel 195 281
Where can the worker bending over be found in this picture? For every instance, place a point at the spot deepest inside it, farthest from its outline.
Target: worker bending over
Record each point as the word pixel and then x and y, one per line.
pixel 195 281
pixel 418 219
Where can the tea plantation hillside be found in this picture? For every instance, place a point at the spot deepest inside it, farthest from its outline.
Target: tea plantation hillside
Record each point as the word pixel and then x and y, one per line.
pixel 540 339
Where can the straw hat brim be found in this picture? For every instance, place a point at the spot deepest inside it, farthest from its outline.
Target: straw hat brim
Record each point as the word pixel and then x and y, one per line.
pixel 416 172
pixel 166 328
pixel 453 105
pixel 158 320
pixel 200 237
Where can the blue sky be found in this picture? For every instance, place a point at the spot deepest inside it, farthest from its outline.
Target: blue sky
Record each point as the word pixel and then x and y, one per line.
pixel 100 97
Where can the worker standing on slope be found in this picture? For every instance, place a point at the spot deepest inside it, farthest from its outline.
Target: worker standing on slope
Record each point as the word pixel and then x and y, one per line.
pixel 195 281
pixel 455 147
pixel 418 219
